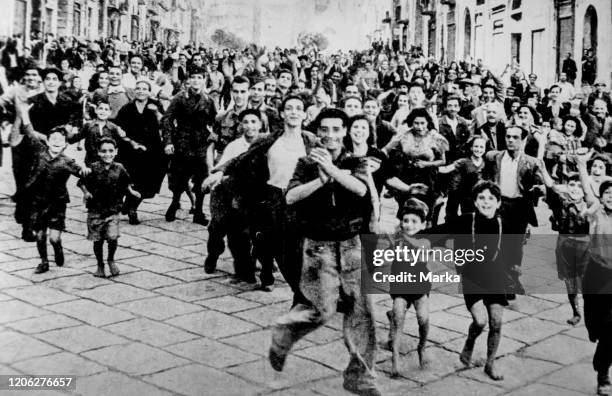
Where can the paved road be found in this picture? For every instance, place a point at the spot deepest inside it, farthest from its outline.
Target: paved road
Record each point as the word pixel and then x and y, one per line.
pixel 165 327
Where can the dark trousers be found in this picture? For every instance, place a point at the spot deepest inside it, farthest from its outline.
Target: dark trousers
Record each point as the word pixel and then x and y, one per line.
pixel 276 238
pixel 514 224
pixel 228 221
pixel 22 163
pixel 597 289
pixel 602 360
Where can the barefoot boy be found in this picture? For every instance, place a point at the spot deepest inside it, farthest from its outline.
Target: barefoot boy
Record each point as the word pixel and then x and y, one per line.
pixel 413 218
pixel 103 192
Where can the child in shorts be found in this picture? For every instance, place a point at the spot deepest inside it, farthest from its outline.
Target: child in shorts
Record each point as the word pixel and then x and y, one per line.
pixel 413 218
pixel 103 192
pixel 573 241
pixel 47 188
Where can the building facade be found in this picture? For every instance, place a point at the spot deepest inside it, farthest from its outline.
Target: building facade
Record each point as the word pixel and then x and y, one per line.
pixel 538 34
pixel 168 21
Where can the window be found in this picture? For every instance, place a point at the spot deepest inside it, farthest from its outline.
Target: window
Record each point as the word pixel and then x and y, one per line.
pixel 76 20
pixel 516 4
pixel 398 13
pixel 89 21
pixel 480 2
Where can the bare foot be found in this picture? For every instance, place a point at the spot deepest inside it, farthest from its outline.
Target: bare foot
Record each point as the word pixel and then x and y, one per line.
pixel 493 374
pixel 100 273
pixel 574 320
pixel 394 373
pixel 423 358
pixel 114 270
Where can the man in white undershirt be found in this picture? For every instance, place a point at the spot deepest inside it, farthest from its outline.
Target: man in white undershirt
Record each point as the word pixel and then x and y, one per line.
pixel 225 218
pixel 262 176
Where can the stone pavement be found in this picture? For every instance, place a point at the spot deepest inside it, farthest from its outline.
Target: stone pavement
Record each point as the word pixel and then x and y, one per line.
pixel 165 327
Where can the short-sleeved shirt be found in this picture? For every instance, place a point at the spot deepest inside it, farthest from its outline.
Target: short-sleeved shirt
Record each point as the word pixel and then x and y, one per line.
pixel 107 187
pixel 50 175
pixel 332 213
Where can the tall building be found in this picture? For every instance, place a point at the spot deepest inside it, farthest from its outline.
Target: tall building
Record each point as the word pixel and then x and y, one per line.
pixel 538 34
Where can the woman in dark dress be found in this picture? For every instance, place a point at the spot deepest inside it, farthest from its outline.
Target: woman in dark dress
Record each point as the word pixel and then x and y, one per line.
pixel 140 121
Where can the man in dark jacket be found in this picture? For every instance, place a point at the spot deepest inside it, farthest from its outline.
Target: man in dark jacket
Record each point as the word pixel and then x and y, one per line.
pixel 186 129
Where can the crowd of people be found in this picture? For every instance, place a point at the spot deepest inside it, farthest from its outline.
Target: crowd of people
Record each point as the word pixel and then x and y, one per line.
pixel 297 149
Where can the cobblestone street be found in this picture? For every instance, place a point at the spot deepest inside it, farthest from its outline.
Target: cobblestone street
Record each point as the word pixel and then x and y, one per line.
pixel 165 327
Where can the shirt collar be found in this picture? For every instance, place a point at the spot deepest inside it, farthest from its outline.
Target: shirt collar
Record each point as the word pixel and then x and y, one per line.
pixel 115 89
pixel 509 158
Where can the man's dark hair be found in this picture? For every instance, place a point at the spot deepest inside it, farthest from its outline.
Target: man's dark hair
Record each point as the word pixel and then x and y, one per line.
pixel 349 98
pixel 247 112
pixel 195 70
pixel 414 85
pixel 330 112
pixel 52 70
pixel 291 97
pixel 59 129
pixel 453 97
pixel 241 80
pixel 107 140
pixel 554 86
pixel 102 99
pixel 524 132
pixel 136 56
pixel 574 176
pixel 29 66
pixel 489 85
pixel 486 185
pixel 283 70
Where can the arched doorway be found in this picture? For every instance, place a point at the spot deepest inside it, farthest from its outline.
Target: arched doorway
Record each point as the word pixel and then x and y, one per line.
pixel 589 46
pixel 467 35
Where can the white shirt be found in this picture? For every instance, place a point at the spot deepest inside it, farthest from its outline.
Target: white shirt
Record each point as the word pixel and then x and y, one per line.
pixel 508 176
pixel 567 91
pixel 129 81
pixel 234 149
pixel 283 156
